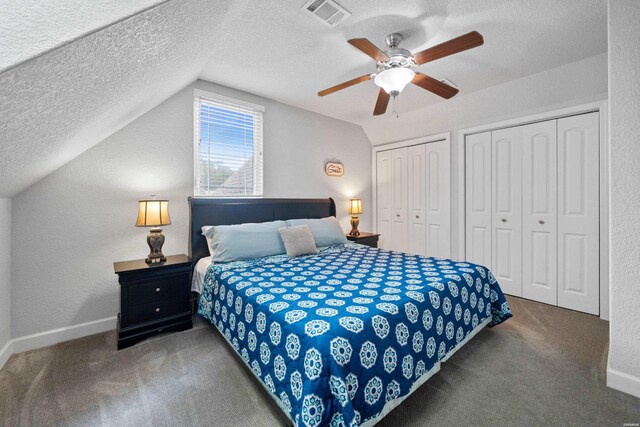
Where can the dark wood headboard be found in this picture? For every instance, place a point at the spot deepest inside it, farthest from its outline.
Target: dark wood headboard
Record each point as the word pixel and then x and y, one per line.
pixel 238 211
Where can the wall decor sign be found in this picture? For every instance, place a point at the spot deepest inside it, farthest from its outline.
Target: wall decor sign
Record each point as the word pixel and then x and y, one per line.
pixel 334 169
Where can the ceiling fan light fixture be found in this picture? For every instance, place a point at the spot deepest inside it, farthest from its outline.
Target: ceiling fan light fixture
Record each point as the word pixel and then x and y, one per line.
pixel 394 79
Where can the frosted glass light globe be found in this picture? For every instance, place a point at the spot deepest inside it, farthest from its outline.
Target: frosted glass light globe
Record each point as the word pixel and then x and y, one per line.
pixel 394 79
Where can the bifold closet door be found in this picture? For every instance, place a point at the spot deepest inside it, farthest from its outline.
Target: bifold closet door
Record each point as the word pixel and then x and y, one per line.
pixel 416 167
pixel 578 213
pixel 383 197
pixel 478 198
pixel 399 205
pixel 438 195
pixel 539 213
pixel 506 217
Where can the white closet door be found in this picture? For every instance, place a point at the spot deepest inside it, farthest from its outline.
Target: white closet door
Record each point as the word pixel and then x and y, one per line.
pixel 383 197
pixel 416 199
pixel 478 198
pixel 399 204
pixel 578 213
pixel 438 199
pixel 539 213
pixel 506 241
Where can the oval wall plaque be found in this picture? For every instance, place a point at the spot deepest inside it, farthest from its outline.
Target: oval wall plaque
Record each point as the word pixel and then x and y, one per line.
pixel 334 169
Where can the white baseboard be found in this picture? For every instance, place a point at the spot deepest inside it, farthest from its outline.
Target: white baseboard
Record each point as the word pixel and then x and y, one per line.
pixel 623 382
pixel 55 336
pixel 6 353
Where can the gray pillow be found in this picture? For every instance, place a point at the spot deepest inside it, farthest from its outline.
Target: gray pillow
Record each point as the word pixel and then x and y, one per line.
pixel 245 241
pixel 298 240
pixel 326 231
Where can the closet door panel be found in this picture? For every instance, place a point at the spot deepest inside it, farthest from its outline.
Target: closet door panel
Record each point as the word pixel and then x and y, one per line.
pixel 539 212
pixel 578 213
pixel 478 198
pixel 506 250
pixel 383 197
pixel 399 205
pixel 417 193
pixel 438 199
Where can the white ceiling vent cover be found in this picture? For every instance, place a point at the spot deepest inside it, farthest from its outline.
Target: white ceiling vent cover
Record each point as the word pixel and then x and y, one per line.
pixel 327 11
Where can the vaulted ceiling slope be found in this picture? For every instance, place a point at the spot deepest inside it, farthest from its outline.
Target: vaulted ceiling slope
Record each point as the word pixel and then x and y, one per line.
pixel 76 71
pixel 56 105
pixel 29 28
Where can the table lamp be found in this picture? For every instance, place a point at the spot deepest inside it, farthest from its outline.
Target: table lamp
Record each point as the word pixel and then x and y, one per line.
pixel 355 209
pixel 154 213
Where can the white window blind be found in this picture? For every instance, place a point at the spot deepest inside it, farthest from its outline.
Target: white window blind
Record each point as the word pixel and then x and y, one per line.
pixel 228 147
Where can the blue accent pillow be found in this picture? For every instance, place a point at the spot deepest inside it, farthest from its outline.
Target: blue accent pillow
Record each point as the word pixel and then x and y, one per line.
pixel 326 231
pixel 245 241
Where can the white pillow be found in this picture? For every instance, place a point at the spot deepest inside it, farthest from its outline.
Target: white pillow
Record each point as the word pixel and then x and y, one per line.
pixel 298 240
pixel 326 231
pixel 244 241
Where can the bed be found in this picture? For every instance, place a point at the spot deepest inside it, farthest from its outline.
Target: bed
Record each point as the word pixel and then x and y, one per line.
pixel 341 337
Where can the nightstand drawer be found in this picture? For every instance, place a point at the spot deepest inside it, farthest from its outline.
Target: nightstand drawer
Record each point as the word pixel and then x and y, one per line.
pixel 158 289
pixel 158 309
pixel 153 298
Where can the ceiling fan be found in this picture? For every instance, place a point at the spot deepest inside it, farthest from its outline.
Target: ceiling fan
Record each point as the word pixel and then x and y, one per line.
pixel 394 67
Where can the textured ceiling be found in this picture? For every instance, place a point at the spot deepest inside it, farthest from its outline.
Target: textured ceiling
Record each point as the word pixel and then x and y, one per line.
pixel 289 56
pixel 57 105
pixel 76 72
pixel 32 27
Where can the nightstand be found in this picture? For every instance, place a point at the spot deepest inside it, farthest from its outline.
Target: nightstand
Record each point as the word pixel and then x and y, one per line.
pixel 368 239
pixel 153 298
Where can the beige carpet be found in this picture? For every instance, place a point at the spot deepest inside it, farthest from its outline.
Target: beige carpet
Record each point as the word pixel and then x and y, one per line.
pixel 544 367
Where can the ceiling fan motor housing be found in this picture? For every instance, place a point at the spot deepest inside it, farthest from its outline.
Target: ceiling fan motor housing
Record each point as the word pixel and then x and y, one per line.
pixel 398 57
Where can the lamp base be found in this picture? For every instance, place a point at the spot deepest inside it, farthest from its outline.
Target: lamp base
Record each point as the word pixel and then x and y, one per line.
pixel 155 240
pixel 354 226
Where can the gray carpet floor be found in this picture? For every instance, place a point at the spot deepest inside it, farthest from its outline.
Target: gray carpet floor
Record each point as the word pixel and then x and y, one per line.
pixel 544 367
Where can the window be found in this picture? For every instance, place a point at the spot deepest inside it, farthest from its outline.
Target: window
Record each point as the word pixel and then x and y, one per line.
pixel 228 147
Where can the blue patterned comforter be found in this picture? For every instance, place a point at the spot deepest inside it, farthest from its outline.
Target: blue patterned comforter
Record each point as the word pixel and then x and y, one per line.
pixel 342 337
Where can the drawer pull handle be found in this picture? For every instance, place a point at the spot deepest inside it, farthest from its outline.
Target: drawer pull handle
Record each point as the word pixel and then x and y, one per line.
pixel 158 310
pixel 541 222
pixel 504 219
pixel 417 216
pixel 157 289
pixel 398 215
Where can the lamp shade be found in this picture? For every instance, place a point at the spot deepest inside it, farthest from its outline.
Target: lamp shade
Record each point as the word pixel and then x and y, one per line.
pixel 153 213
pixel 355 206
pixel 394 79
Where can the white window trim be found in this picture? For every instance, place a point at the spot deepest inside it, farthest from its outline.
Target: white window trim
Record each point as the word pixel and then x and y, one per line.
pixel 227 100
pixel 233 103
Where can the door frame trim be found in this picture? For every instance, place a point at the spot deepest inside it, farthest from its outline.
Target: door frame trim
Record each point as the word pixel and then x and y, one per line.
pixel 445 136
pixel 598 106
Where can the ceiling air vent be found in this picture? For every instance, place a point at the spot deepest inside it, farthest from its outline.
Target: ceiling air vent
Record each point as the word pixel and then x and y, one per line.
pixel 327 11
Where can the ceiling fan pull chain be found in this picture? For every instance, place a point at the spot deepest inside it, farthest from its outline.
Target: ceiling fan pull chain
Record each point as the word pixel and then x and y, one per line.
pixel 394 108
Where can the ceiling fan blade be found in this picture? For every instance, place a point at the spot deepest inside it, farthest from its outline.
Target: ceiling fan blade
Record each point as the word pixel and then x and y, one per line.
pixel 345 85
pixel 369 48
pixel 381 103
pixel 459 44
pixel 433 85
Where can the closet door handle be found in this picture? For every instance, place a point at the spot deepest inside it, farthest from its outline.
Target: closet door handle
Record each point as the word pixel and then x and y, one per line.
pixel 541 222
